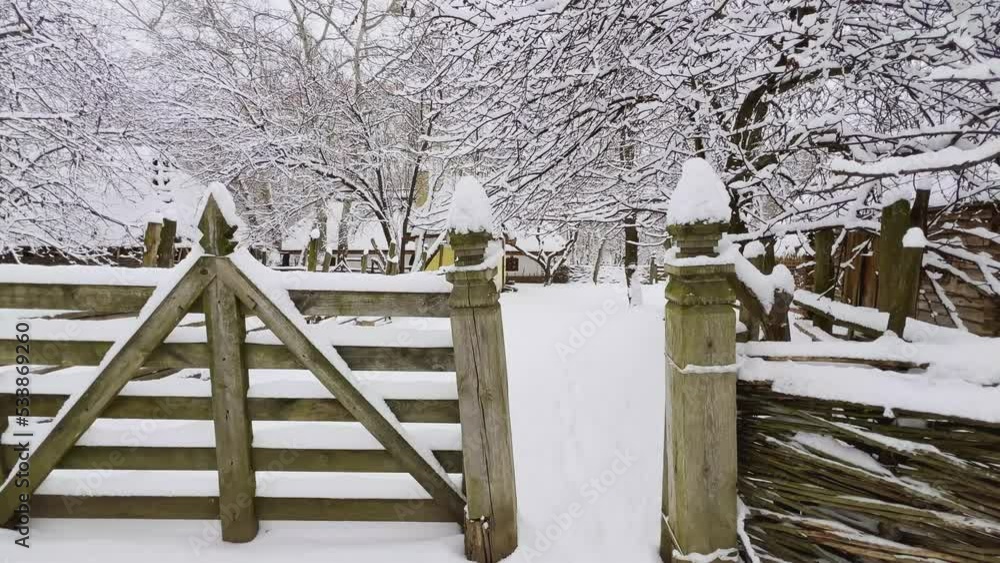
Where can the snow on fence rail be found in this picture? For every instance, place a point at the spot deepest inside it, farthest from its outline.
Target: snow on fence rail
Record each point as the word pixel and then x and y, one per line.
pixel 295 434
pixel 867 465
pixel 103 290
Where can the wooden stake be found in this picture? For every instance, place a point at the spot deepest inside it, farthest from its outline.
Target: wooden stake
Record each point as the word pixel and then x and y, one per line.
pixel 699 478
pixel 312 254
pixel 165 252
pixel 824 277
pixel 907 287
pixel 895 222
pixel 481 366
pixel 151 242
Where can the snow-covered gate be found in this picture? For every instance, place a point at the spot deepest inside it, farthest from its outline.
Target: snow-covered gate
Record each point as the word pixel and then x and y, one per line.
pixel 366 438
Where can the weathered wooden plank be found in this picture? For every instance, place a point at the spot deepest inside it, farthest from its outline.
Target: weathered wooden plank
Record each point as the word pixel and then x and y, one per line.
pixel 151 244
pixel 313 359
pixel 257 356
pixel 207 508
pixel 481 369
pixel 226 329
pixel 165 253
pixel 860 329
pixel 200 408
pixel 824 273
pixel 895 222
pixel 123 458
pixel 109 382
pixel 112 299
pixel 891 365
pixel 907 276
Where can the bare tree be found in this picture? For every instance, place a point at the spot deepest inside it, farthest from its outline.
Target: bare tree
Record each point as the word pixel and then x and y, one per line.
pixel 64 137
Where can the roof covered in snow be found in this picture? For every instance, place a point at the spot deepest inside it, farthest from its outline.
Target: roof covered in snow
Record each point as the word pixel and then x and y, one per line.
pixel 149 193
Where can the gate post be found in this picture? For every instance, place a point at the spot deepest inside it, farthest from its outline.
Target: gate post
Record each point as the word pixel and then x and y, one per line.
pixel 699 470
pixel 225 326
pixel 481 369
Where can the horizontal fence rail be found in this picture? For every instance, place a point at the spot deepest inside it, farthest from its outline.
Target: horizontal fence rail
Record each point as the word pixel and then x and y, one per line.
pixel 208 508
pixel 258 356
pixel 259 408
pixel 105 290
pixel 112 299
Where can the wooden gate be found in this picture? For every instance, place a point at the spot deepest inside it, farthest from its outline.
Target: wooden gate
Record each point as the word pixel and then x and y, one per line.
pixel 229 287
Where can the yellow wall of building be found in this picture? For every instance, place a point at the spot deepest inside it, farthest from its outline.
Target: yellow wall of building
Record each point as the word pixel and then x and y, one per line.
pixel 445 256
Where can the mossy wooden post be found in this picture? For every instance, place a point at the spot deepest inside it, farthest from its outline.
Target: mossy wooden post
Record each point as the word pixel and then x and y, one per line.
pixel 165 252
pixel 392 262
pixel 312 254
pixel 895 221
pixel 909 268
pixel 699 476
pixel 823 273
pixel 226 329
pixel 151 244
pixel 481 366
pixel 770 258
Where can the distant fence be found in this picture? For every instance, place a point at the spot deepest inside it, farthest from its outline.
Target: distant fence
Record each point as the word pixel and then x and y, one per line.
pixel 836 480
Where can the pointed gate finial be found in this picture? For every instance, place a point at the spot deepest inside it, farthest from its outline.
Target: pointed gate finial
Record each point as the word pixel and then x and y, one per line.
pixel 218 221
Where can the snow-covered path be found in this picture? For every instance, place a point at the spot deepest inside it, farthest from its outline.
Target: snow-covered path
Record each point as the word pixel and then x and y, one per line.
pixel 587 413
pixel 586 393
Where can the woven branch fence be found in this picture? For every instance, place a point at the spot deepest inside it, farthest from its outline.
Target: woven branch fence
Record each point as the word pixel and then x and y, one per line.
pixel 842 482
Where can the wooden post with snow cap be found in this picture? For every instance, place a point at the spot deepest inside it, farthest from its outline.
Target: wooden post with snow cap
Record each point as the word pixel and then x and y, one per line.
pixel 312 250
pixel 895 222
pixel 226 330
pixel 907 280
pixel 481 368
pixel 699 472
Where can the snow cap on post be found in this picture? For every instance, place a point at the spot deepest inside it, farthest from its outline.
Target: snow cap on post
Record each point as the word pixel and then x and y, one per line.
pixel 470 208
pixel 218 220
pixel 914 238
pixel 754 249
pixel 700 196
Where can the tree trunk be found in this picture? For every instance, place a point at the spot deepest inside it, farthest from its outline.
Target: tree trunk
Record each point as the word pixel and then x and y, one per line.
pixel 597 261
pixel 632 261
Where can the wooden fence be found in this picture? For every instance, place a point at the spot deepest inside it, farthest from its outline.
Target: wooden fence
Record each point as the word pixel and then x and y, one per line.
pixel 798 452
pixel 468 479
pixel 831 480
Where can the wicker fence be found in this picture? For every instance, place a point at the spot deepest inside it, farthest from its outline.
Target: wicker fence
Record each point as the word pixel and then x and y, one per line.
pixel 827 480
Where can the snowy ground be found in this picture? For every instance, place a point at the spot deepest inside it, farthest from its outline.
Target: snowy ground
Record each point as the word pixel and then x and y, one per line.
pixel 586 386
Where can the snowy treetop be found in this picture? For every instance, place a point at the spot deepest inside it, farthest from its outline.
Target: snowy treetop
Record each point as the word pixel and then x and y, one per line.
pixel 700 196
pixel 470 208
